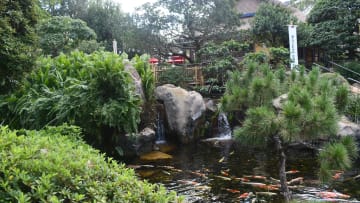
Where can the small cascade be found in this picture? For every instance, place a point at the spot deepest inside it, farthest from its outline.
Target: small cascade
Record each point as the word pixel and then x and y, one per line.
pixel 224 130
pixel 160 135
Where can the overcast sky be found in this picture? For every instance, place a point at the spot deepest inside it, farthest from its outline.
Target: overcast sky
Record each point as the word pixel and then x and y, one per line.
pixel 129 5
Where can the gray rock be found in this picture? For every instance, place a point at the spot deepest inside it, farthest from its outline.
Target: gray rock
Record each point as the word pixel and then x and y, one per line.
pixel 279 102
pixel 145 141
pixel 348 128
pixel 210 105
pixel 183 111
pixel 136 78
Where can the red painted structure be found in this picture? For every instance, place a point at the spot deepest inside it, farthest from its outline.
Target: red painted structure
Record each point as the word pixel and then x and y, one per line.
pixel 153 60
pixel 176 60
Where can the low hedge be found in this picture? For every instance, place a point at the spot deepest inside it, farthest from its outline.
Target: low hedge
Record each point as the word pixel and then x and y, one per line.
pixel 55 165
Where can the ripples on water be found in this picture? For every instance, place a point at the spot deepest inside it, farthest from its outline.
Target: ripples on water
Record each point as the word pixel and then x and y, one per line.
pixel 213 172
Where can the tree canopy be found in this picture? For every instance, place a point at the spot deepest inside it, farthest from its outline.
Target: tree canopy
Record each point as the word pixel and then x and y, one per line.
pixel 63 34
pixel 188 24
pixel 334 24
pixel 270 24
pixel 309 111
pixel 17 40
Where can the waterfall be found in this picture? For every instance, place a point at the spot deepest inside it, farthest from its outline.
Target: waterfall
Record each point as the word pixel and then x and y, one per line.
pixel 160 135
pixel 224 129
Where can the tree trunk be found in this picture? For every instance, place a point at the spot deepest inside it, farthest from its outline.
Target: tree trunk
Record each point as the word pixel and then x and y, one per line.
pixel 282 170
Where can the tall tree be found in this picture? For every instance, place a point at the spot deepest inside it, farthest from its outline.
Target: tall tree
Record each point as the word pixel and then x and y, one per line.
pixel 63 34
pixel 189 24
pixel 334 24
pixel 107 20
pixel 270 24
pixel 105 17
pixel 72 8
pixel 17 40
pixel 308 113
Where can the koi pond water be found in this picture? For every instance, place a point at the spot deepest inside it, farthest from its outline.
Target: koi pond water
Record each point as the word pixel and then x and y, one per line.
pixel 222 171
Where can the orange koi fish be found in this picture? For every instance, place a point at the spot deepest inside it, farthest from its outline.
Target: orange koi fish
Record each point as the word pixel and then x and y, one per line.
pixel 244 195
pixel 332 195
pixel 292 172
pixel 232 190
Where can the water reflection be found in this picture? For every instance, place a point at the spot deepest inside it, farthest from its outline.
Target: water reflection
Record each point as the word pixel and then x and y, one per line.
pixel 224 172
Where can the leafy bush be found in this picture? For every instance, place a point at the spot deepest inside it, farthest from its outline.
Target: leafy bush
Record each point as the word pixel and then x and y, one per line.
pixel 353 66
pixel 337 156
pixel 256 86
pixel 91 91
pixel 352 110
pixel 54 165
pixel 279 56
pixel 64 34
pixel 17 41
pixel 142 66
pixel 174 75
pixel 308 113
pixel 219 59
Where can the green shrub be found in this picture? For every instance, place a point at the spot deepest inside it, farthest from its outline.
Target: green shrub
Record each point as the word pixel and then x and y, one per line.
pixel 337 156
pixel 174 75
pixel 54 165
pixel 91 91
pixel 142 66
pixel 352 110
pixel 279 56
pixel 353 66
pixel 256 86
pixel 221 58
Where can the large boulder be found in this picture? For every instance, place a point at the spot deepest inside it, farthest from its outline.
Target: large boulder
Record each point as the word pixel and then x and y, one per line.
pixel 136 78
pixel 279 102
pixel 145 141
pixel 137 144
pixel 183 111
pixel 348 128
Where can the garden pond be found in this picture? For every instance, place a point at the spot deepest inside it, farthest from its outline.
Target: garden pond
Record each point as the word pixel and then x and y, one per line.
pixel 223 171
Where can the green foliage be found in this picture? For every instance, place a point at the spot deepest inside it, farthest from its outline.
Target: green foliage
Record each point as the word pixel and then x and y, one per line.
pixel 279 56
pixel 269 24
pixel 90 46
pixel 220 59
pixel 17 41
pixel 92 91
pixel 54 165
pixel 352 110
pixel 337 156
pixel 63 34
pixel 263 120
pixel 257 57
pixel 109 22
pixel 307 113
pixel 102 16
pixel 341 98
pixel 256 86
pixel 142 66
pixel 351 65
pixel 310 111
pixel 192 23
pixel 174 75
pixel 334 23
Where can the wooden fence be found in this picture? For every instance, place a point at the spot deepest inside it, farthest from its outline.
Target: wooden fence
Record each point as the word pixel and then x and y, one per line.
pixel 192 75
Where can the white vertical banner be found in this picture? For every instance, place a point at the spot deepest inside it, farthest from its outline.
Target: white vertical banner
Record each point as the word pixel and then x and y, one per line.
pixel 294 61
pixel 115 46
